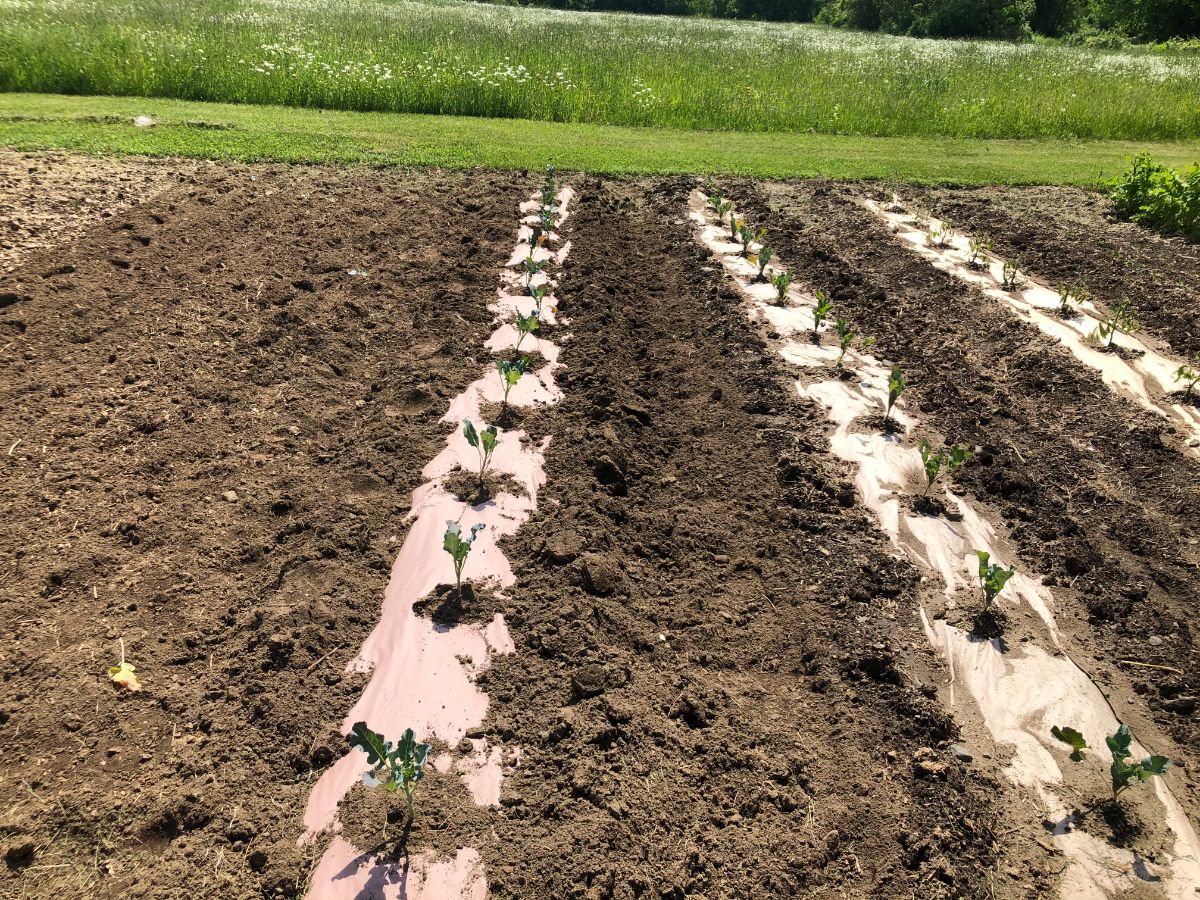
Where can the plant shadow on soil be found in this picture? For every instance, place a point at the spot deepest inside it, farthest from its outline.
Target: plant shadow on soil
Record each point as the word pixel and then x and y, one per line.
pixel 447 606
pixel 466 487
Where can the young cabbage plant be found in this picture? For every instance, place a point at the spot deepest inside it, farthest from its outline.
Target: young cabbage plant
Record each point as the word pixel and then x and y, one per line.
pixel 532 268
pixel 1189 375
pixel 1068 294
pixel 845 337
pixel 977 247
pixel 943 234
pixel 992 577
pixel 1121 318
pixel 896 386
pixel 1011 275
pixel 724 207
pixel 735 225
pixel 484 442
pixel 763 257
pixel 749 237
pixel 820 312
pixel 527 324
pixel 781 281
pixel 948 457
pixel 1122 772
pixel 459 549
pixel 510 374
pixel 393 768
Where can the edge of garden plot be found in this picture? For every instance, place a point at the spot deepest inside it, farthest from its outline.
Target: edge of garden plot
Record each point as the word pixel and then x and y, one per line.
pixel 105 126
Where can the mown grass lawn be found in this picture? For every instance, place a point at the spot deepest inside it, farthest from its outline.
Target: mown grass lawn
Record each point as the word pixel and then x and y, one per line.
pixel 105 125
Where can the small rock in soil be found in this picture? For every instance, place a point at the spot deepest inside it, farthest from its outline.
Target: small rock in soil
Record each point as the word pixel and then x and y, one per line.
pixel 600 576
pixel 564 546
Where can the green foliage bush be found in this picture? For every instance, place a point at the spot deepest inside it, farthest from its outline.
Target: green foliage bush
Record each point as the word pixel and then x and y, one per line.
pixel 1152 194
pixel 1006 19
pixel 1098 23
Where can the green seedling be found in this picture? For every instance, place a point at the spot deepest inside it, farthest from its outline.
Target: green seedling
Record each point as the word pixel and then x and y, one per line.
pixel 484 442
pixel 943 234
pixel 780 281
pixel 845 337
pixel 866 344
pixel 820 312
pixel 393 768
pixel 763 258
pixel 1189 375
pixel 724 207
pixel 459 549
pixel 528 324
pixel 976 248
pixel 1121 318
pixel 1011 276
pixel 948 457
pixel 896 386
pixel 735 225
pixel 750 236
pixel 510 374
pixel 1123 773
pixel 546 219
pixel 1068 294
pixel 532 268
pixel 992 577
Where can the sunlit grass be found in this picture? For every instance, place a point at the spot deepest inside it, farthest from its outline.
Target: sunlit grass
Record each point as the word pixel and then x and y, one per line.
pixel 512 62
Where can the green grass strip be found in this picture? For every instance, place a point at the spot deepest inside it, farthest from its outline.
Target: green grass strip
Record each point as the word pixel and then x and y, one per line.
pixel 103 126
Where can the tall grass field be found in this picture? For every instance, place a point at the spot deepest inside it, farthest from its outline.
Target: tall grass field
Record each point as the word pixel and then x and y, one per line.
pixel 510 62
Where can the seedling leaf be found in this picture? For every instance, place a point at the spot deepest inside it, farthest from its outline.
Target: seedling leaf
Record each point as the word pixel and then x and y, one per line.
pixel 1073 739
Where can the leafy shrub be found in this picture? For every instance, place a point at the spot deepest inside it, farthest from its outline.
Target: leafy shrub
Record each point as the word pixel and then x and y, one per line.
pixel 1154 195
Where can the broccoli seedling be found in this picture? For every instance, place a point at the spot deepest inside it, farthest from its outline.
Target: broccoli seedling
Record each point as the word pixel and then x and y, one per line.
pixel 992 577
pixel 1121 317
pixel 763 258
pixel 735 225
pixel 749 236
pixel 532 268
pixel 1190 375
pixel 1068 294
pixel 942 235
pixel 459 548
pixel 510 374
pixel 845 337
pixel 1072 739
pixel 780 281
pixel 484 443
pixel 976 248
pixel 1011 276
pixel 820 312
pixel 723 209
pixel 527 324
pixel 947 457
pixel 393 768
pixel 896 386
pixel 1122 773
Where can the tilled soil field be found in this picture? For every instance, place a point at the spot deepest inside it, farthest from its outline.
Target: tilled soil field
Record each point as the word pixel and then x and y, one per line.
pixel 219 399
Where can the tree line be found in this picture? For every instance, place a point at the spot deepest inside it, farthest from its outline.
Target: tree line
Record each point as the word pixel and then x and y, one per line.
pixel 1098 21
